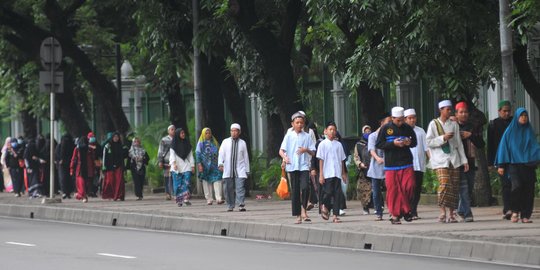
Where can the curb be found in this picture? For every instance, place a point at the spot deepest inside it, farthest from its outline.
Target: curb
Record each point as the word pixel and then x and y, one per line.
pixel 432 246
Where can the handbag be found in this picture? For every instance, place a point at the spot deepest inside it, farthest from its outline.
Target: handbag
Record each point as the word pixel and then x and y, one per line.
pixel 282 189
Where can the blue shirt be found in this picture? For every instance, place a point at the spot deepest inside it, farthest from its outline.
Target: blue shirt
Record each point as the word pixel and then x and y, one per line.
pixel 291 142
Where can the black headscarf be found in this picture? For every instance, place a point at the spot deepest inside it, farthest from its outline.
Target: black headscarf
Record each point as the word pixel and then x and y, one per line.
pixel 82 145
pixel 181 147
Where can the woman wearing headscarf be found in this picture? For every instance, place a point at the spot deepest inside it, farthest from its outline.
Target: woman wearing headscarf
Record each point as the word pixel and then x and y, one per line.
pixel 207 153
pixel 113 167
pixel 93 183
pixel 138 161
pixel 6 178
pixel 31 160
pixel 14 154
pixel 63 154
pixel 519 154
pixel 182 166
pixel 82 167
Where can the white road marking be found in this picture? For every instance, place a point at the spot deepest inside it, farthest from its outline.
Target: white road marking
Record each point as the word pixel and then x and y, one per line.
pixel 20 244
pixel 116 256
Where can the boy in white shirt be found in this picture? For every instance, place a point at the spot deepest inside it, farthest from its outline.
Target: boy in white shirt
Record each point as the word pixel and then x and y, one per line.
pixel 332 171
pixel 296 150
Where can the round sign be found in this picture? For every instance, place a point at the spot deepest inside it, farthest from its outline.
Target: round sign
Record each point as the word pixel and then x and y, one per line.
pixel 50 53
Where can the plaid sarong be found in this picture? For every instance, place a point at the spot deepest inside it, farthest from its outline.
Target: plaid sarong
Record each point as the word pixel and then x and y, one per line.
pixel 448 191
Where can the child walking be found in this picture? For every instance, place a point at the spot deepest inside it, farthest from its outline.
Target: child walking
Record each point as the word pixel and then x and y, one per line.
pixel 332 171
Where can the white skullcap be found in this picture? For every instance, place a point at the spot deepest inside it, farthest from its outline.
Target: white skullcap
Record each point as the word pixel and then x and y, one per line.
pixel 298 114
pixel 235 126
pixel 397 112
pixel 171 127
pixel 445 103
pixel 409 112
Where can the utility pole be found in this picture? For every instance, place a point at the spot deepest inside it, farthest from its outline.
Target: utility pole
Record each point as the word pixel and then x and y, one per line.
pixel 197 95
pixel 506 52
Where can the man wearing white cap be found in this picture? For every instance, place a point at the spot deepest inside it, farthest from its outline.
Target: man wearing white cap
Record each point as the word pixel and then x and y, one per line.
pixel 447 156
pixel 233 161
pixel 163 160
pixel 419 154
pixel 396 138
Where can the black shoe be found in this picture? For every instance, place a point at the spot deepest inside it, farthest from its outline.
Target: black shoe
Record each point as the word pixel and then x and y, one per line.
pixel 242 209
pixel 408 217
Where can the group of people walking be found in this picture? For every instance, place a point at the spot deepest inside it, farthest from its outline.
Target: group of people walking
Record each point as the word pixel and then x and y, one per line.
pixel 223 169
pixel 398 152
pixel 394 156
pixel 83 167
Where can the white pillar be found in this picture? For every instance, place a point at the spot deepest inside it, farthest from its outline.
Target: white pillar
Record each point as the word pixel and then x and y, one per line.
pixel 338 95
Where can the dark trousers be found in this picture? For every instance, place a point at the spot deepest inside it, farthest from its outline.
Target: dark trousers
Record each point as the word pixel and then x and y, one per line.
pixel 506 186
pixel 17 179
pixel 418 179
pixel 314 187
pixel 523 178
pixel 299 191
pixel 332 195
pixel 34 183
pixel 138 182
pixel 66 181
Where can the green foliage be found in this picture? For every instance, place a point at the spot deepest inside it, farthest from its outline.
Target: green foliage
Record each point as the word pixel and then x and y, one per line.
pixel 430 182
pixel 353 180
pixel 451 45
pixel 150 137
pixel 266 175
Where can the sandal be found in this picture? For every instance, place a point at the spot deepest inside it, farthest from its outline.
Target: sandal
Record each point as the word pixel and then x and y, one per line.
pixel 442 218
pixel 309 206
pixel 307 219
pixel 452 219
pixel 324 213
pixel 395 221
pixel 298 221
pixel 336 220
pixel 526 220
pixel 378 218
pixel 507 216
pixel 514 218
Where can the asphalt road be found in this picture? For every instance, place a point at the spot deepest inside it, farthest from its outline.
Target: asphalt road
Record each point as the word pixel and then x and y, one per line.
pixel 32 244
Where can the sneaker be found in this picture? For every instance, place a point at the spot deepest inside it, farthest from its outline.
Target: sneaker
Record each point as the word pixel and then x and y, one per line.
pixel 85 200
pixel 242 208
pixel 342 212
pixel 229 209
pixel 187 203
pixel 468 219
pixel 365 211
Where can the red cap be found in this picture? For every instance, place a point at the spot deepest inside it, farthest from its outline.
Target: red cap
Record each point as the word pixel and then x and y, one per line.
pixel 461 105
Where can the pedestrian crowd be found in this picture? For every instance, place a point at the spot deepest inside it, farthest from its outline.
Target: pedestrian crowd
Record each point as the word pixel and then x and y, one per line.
pixel 392 158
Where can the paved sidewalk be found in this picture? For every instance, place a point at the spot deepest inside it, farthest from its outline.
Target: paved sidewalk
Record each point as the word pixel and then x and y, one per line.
pixel 488 238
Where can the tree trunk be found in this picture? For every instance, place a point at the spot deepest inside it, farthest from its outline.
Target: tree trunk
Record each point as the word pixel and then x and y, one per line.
pixel 275 51
pixel 506 51
pixel 482 193
pixel 275 135
pixel 212 97
pixel 177 109
pixel 71 116
pixel 29 123
pixel 236 103
pixel 105 91
pixel 371 104
pixel 530 83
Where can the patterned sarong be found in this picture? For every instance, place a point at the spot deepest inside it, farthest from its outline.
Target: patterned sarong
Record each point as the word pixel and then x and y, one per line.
pixel 448 191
